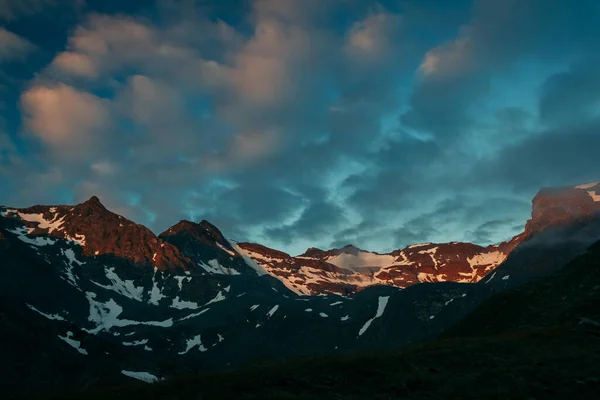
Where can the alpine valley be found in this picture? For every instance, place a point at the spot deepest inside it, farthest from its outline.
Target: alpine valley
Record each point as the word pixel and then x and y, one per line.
pixel 89 299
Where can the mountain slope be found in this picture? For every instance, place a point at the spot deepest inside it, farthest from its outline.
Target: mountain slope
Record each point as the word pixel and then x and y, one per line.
pixel 348 270
pixel 569 296
pixel 88 283
pixel 96 230
pixel 537 341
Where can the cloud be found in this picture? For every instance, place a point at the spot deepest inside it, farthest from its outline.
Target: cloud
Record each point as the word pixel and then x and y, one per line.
pixel 318 219
pixel 558 157
pixel 571 96
pixel 489 230
pixel 13 47
pixel 106 45
pixel 148 101
pixel 372 37
pixel 64 118
pixel 301 124
pixel 448 219
pixel 75 64
pixel 10 9
pixel 16 10
pixel 449 59
pixel 457 75
pixel 104 168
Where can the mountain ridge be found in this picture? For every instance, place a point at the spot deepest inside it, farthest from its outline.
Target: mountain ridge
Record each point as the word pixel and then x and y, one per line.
pixel 346 270
pixel 106 313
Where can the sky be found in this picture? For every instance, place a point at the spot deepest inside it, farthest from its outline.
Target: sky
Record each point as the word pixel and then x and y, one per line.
pixel 301 124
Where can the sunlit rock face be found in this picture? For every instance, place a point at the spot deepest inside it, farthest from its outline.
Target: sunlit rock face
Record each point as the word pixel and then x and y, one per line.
pixel 560 206
pixel 98 232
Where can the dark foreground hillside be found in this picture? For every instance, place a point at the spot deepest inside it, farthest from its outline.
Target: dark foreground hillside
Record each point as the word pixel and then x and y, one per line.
pixel 550 363
pixel 541 341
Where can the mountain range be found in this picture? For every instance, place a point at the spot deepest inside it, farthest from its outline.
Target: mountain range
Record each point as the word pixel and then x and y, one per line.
pixel 90 299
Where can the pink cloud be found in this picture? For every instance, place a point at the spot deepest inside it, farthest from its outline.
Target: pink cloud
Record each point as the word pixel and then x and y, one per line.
pixel 373 37
pixel 77 64
pixel 63 117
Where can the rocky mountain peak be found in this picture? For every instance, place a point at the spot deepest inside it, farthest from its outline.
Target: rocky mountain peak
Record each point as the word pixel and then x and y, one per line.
pixel 94 200
pixel 350 249
pixel 92 205
pixel 203 232
pixel 98 231
pixel 313 252
pixel 565 205
pixel 212 231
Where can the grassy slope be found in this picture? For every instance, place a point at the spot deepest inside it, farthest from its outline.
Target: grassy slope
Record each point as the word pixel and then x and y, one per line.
pixel 551 363
pixel 564 298
pixel 525 343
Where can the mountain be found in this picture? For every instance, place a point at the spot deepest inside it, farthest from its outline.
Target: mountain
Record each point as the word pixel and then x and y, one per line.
pixel 95 230
pixel 90 298
pixel 348 270
pixel 537 341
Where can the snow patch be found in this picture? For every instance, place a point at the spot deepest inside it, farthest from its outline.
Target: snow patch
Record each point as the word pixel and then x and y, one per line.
pixel 124 287
pixel 594 195
pixel 106 315
pixel 491 277
pixel 218 297
pixel 155 293
pixel 362 259
pixel 180 280
pixel 214 267
pixel 195 314
pixel 78 239
pixel 382 303
pixel 413 246
pixel 73 343
pixel 55 317
pixel 260 270
pixel 70 254
pixel 272 311
pixel 425 277
pixel 136 342
pixel 231 253
pixel 22 232
pixel 141 376
pixel 182 304
pixel 587 185
pixel 493 258
pixel 52 225
pixel 193 342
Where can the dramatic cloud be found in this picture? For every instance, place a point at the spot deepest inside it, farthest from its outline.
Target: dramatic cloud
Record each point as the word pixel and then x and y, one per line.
pixel 373 37
pixel 67 120
pixel 299 123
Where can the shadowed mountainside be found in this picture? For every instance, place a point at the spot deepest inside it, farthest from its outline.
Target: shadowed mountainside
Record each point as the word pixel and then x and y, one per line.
pixel 541 340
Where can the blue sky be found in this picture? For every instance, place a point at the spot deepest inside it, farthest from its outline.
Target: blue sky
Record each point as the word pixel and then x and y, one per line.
pixel 301 123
